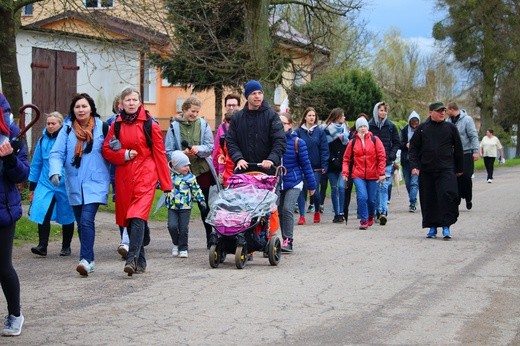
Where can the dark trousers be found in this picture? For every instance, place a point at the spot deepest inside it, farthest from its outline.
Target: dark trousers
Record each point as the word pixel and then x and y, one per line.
pixel 44 229
pixel 465 182
pixel 205 181
pixel 136 248
pixel 8 276
pixel 348 194
pixel 178 226
pixel 489 163
pixel 439 198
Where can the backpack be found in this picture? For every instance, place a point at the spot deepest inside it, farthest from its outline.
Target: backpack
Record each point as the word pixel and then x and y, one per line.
pixel 147 128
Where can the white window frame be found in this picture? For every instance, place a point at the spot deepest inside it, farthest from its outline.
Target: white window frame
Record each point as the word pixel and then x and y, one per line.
pixel 149 82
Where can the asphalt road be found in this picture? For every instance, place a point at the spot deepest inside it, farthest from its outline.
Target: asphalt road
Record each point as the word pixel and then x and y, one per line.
pixel 341 286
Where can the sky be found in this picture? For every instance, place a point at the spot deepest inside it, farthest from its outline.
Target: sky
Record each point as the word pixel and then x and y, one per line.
pixel 413 18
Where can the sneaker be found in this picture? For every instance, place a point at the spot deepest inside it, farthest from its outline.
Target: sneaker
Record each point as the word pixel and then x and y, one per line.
pixel 378 217
pixel 13 325
pixel 338 219
pixel 363 224
pixel 183 254
pixel 412 208
pixel 140 269
pixel 432 233
pixel 490 181
pixel 317 217
pixel 130 268
pixel 175 251
pixel 446 233
pixel 322 208
pixel 84 268
pixel 122 249
pixel 301 221
pixel 469 205
pixel 39 250
pixel 382 220
pixel 370 220
pixel 310 209
pixel 65 251
pixel 287 245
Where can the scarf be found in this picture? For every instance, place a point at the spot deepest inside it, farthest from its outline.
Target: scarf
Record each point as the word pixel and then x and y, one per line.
pixel 83 135
pixel 129 118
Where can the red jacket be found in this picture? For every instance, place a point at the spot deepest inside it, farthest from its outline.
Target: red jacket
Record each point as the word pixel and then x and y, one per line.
pixel 369 159
pixel 136 179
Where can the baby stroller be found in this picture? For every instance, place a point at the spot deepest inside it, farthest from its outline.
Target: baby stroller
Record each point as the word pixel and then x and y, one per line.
pixel 243 221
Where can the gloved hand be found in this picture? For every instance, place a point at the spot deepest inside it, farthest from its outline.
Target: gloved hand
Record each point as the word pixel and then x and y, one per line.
pixel 203 207
pixel 55 179
pixel 114 144
pixel 17 145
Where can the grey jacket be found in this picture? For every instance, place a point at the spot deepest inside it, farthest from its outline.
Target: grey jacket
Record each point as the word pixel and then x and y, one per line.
pixel 468 132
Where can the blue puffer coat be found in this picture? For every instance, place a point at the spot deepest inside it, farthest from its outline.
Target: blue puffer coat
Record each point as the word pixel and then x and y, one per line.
pixel 297 165
pixel 317 146
pixel 13 171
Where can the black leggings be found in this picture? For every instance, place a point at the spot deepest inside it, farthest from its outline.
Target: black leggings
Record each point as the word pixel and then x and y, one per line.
pixel 44 229
pixel 8 276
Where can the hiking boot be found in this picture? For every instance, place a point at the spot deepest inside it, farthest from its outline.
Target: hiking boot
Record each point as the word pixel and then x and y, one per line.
pixel 310 209
pixel 140 269
pixel 382 219
pixel 363 224
pixel 39 250
pixel 183 254
pixel 65 251
pixel 301 221
pixel 432 233
pixel 13 325
pixel 175 251
pixel 130 268
pixel 317 217
pixel 446 233
pixel 122 249
pixel 412 208
pixel 84 268
pixel 287 245
pixel 370 220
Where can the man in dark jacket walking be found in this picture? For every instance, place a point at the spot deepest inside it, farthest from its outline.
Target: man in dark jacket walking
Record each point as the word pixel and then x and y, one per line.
pixel 436 155
pixel 256 133
pixel 382 127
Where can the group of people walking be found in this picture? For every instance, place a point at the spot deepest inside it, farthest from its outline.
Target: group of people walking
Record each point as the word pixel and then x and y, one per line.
pixel 69 175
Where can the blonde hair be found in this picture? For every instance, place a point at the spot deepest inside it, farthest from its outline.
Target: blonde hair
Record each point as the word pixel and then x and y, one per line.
pixel 57 115
pixel 191 101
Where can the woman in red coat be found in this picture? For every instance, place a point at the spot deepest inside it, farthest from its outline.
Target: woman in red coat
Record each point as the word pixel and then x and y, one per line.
pixel 367 169
pixel 140 162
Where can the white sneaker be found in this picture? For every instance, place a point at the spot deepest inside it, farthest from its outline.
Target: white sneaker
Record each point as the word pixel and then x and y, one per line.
pixel 490 181
pixel 175 251
pixel 84 268
pixel 183 254
pixel 13 325
pixel 122 249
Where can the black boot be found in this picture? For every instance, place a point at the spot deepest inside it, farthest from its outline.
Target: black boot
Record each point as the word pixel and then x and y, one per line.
pixel 39 250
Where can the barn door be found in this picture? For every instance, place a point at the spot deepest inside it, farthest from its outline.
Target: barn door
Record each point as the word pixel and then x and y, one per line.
pixel 54 81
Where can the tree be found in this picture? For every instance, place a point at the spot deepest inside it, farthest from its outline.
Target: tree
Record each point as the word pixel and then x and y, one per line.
pixel 477 33
pixel 354 91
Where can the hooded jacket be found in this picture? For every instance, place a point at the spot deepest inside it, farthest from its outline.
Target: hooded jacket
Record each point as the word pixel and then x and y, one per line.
pixel 467 130
pixel 297 164
pixel 369 158
pixel 317 146
pixel 387 133
pixel 406 134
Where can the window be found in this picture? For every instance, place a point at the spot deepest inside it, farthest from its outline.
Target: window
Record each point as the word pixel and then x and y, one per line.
pixel 149 82
pixel 27 10
pixel 99 3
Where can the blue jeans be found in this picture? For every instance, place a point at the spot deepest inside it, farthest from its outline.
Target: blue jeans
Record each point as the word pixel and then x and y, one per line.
pixel 85 218
pixel 178 226
pixel 382 192
pixel 314 199
pixel 337 192
pixel 286 211
pixel 411 182
pixel 365 196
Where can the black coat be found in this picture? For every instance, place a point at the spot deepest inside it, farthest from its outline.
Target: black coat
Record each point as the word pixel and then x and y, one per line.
pixel 436 146
pixel 256 135
pixel 389 135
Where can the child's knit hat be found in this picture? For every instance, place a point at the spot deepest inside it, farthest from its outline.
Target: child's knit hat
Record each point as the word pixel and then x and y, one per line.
pixel 179 160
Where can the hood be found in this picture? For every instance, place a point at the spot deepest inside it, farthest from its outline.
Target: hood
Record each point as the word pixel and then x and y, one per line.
pixel 414 115
pixel 376 117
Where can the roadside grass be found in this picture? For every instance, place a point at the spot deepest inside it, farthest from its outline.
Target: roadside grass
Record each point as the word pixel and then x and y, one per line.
pixel 27 232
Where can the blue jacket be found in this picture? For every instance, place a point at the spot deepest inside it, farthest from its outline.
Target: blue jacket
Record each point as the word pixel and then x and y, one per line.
pixel 297 165
pixel 317 146
pixel 45 191
pixel 13 170
pixel 88 183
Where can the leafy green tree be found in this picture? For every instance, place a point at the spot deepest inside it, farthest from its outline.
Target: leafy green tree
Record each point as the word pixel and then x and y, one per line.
pixel 354 91
pixel 477 34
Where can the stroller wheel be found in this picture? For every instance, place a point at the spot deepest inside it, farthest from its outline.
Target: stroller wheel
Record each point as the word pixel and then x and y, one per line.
pixel 214 255
pixel 240 256
pixel 275 250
